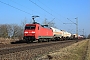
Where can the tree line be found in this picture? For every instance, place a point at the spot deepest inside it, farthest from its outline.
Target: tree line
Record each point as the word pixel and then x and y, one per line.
pixel 11 31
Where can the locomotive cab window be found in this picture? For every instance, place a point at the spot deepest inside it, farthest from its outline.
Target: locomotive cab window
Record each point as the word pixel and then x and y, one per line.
pixel 29 27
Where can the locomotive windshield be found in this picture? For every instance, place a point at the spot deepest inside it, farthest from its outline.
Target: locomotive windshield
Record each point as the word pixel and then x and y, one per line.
pixel 29 27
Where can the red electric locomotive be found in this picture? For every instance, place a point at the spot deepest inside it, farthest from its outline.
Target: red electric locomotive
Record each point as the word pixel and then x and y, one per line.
pixel 38 32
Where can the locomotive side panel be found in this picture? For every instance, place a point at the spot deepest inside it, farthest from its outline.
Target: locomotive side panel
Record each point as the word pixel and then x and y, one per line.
pixel 45 32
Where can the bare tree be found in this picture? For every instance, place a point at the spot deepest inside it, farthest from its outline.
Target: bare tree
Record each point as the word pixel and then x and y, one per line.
pixel 49 23
pixel 10 30
pixel 3 31
pixel 16 31
pixel 23 23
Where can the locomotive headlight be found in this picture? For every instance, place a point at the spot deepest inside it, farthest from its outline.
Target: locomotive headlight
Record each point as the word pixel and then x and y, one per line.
pixel 25 32
pixel 33 32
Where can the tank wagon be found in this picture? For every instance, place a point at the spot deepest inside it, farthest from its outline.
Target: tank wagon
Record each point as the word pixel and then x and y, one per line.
pixel 79 37
pixel 57 34
pixel 61 34
pixel 66 35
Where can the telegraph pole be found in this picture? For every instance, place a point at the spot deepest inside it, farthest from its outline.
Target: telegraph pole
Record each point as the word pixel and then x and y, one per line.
pixel 75 24
pixel 76 27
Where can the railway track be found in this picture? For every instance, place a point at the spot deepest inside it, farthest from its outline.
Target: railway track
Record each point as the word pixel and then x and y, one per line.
pixel 33 49
pixel 16 48
pixel 10 46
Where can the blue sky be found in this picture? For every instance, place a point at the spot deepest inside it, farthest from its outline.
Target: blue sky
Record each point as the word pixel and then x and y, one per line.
pixel 49 9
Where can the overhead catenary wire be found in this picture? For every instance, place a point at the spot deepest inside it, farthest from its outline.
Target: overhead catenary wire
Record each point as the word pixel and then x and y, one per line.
pixel 19 4
pixel 56 12
pixel 43 9
pixel 15 8
pixel 23 10
pixel 28 8
pixel 24 6
pixel 71 21
pixel 44 5
pixel 51 9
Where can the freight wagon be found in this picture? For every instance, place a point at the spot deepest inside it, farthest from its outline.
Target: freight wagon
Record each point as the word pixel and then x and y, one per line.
pixel 61 34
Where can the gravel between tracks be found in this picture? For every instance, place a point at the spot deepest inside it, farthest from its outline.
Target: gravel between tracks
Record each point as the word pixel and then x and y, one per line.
pixel 33 53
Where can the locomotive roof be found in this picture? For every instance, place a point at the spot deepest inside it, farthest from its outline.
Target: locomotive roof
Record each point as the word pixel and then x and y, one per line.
pixel 31 24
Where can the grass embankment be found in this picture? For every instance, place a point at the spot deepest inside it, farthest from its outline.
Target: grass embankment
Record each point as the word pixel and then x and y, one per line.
pixel 88 51
pixel 77 51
